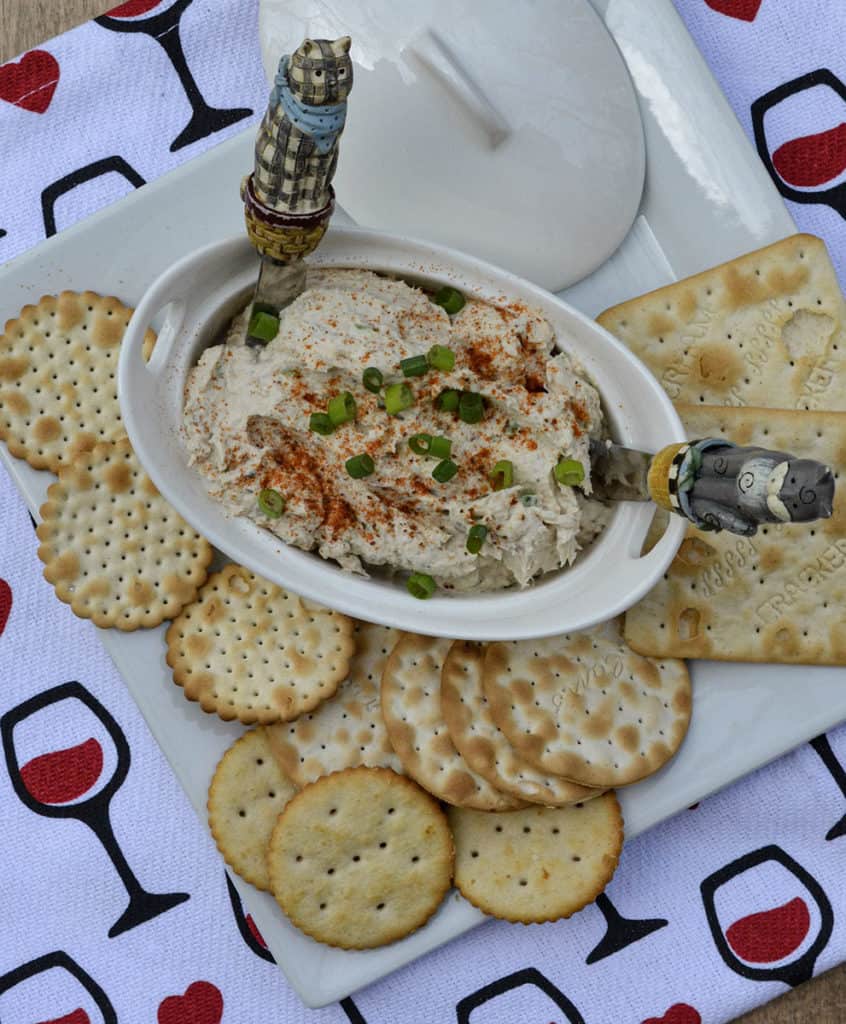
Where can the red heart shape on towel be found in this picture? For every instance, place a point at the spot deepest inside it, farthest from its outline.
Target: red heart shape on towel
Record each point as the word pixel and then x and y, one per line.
pixel 5 604
pixel 679 1013
pixel 201 1004
pixel 743 10
pixel 31 81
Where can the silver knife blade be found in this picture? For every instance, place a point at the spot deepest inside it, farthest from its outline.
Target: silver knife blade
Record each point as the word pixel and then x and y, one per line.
pixel 279 284
pixel 618 473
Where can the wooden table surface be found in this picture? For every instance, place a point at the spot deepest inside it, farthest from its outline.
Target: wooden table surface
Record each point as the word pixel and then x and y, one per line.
pixel 25 24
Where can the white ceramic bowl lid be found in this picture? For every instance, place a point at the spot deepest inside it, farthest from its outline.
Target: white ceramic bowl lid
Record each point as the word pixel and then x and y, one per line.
pixel 508 130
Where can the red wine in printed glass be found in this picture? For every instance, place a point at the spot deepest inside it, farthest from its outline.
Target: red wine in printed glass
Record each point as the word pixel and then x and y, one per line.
pixel 160 20
pixel 77 777
pixel 525 995
pixel 53 989
pixel 800 134
pixel 769 918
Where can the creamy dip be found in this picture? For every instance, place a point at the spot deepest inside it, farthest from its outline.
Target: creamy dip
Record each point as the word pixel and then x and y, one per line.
pixel 246 426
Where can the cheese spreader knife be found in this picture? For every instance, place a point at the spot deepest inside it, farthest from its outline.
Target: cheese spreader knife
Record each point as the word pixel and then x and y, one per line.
pixel 716 484
pixel 288 199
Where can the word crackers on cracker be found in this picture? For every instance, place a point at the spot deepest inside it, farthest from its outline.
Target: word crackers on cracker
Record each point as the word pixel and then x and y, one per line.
pixel 112 547
pixel 777 596
pixel 248 649
pixel 483 745
pixel 766 329
pixel 586 707
pixel 539 864
pixel 360 858
pixel 58 393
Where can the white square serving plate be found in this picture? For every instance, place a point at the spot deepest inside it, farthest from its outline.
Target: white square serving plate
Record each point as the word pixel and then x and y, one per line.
pixel 707 200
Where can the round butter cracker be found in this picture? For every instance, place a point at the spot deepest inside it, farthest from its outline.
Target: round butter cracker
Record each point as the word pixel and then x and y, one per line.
pixel 539 864
pixel 360 858
pixel 586 707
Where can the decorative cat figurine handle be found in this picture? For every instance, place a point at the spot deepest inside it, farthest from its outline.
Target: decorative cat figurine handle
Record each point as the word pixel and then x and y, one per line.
pixel 720 486
pixel 288 199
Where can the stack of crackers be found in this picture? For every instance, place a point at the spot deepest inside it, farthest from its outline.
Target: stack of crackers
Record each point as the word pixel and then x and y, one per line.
pixel 427 762
pixel 384 767
pixel 754 351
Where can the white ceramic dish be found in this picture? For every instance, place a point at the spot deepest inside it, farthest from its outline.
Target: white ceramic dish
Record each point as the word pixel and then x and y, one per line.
pixel 198 294
pixel 514 126
pixel 699 163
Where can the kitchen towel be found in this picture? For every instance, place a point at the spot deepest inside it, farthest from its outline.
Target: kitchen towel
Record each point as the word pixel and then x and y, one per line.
pixel 121 910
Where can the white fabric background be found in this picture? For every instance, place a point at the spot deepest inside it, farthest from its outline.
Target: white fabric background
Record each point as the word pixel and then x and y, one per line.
pixel 118 94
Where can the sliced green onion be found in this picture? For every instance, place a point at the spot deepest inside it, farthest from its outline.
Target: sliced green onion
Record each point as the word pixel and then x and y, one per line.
pixel 441 358
pixel 263 326
pixel 448 400
pixel 359 466
pixel 440 447
pixel 570 472
pixel 320 423
pixel 476 538
pixel 420 443
pixel 450 298
pixel 444 471
pixel 372 379
pixel 271 503
pixel 502 475
pixel 397 398
pixel 341 408
pixel 529 500
pixel 470 407
pixel 414 366
pixel 421 586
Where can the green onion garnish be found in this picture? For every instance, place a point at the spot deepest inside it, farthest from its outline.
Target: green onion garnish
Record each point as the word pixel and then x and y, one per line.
pixel 397 398
pixel 441 358
pixel 440 447
pixel 476 538
pixel 372 379
pixel 420 443
pixel 341 408
pixel 502 475
pixel 448 400
pixel 570 472
pixel 444 471
pixel 414 366
pixel 263 326
pixel 421 586
pixel 450 298
pixel 271 503
pixel 359 466
pixel 470 407
pixel 529 500
pixel 320 423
